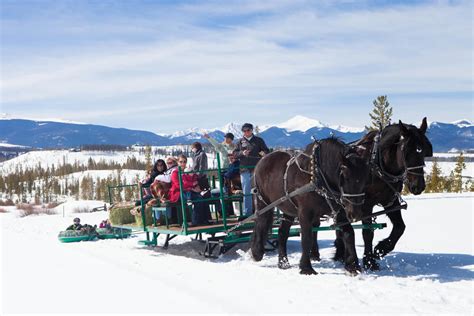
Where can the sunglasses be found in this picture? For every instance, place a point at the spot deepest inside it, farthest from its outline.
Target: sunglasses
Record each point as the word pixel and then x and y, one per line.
pixel 169 162
pixel 247 130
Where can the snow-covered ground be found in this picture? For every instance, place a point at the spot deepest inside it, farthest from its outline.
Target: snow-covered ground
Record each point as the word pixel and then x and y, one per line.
pixel 431 271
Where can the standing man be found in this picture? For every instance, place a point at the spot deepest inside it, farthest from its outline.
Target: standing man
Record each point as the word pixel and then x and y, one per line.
pixel 249 149
pixel 224 149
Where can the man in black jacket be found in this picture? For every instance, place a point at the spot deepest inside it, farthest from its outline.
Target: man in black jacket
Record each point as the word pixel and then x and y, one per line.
pixel 249 149
pixel 76 226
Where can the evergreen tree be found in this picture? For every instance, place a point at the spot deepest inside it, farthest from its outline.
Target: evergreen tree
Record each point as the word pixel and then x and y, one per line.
pixel 457 174
pixel 148 163
pixel 435 181
pixel 256 130
pixel 128 193
pixel 448 183
pixel 98 190
pixel 405 190
pixel 381 114
pixel 470 186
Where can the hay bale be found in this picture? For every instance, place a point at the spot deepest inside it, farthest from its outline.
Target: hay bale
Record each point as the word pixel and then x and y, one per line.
pixel 148 216
pixel 120 214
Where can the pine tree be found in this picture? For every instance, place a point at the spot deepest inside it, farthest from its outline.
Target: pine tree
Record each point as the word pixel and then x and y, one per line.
pixel 256 130
pixel 435 181
pixel 448 183
pixel 457 176
pixel 148 157
pixel 128 193
pixel 470 186
pixel 84 188
pixel 405 190
pixel 381 114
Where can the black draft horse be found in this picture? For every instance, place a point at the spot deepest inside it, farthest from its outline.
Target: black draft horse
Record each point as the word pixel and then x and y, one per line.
pixel 345 173
pixel 399 157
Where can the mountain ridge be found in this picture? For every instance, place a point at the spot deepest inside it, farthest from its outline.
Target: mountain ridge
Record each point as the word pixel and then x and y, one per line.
pixel 296 132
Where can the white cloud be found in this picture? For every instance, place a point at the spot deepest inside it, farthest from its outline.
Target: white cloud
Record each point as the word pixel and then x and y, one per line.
pixel 295 55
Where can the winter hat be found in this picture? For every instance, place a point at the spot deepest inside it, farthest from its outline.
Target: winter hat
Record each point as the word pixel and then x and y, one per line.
pixel 229 135
pixel 247 126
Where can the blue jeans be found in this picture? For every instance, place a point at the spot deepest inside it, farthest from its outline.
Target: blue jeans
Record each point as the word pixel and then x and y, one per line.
pixel 158 214
pixel 201 213
pixel 246 179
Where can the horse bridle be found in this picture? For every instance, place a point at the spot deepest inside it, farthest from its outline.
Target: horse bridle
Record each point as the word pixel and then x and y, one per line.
pixel 347 197
pixel 408 169
pixel 377 164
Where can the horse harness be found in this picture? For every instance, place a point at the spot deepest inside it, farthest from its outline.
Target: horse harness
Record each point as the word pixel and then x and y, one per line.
pixel 322 186
pixel 318 184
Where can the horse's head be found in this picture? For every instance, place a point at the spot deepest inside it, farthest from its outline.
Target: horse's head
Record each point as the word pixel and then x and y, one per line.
pixel 412 149
pixel 353 176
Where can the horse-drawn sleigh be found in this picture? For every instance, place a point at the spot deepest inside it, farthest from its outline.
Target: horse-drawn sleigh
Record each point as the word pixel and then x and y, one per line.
pixel 329 179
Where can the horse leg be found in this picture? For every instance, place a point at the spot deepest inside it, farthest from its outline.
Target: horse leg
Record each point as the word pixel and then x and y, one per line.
pixel 388 244
pixel 306 244
pixel 315 248
pixel 351 262
pixel 260 232
pixel 339 244
pixel 283 234
pixel 369 261
pixel 340 249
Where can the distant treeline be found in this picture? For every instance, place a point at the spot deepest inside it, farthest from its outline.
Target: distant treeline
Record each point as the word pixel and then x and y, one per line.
pixel 436 182
pixel 44 183
pixel 104 147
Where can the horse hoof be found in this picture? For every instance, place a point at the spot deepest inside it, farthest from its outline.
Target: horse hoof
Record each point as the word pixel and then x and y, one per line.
pixel 308 271
pixel 315 257
pixel 352 273
pixel 256 255
pixel 283 263
pixel 256 251
pixel 382 249
pixel 370 264
pixel 353 270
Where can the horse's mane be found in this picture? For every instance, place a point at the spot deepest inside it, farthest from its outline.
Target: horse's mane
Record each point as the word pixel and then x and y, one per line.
pixel 331 141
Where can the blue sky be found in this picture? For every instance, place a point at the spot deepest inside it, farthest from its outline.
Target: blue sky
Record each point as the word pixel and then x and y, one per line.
pixel 171 65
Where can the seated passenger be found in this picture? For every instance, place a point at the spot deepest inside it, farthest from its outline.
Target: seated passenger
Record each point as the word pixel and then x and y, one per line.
pixel 191 191
pixel 234 167
pixel 230 176
pixel 172 165
pixel 76 226
pixel 105 224
pixel 158 168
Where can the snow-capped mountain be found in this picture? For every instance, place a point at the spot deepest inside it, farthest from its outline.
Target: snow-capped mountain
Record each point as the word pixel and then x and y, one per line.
pixel 6 116
pixel 297 132
pixel 462 123
pixel 300 123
